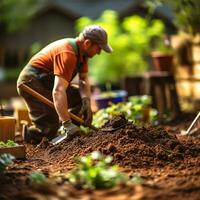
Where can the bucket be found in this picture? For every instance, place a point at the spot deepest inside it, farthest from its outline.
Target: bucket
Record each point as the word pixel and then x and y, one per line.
pixel 103 99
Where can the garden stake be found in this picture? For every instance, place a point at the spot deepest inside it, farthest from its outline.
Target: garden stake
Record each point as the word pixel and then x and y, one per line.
pixel 189 130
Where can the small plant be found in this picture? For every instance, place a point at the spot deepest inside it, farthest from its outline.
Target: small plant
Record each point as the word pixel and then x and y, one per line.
pixel 5 160
pixel 143 100
pixel 37 177
pixel 136 180
pixel 9 143
pixel 93 171
pixel 133 111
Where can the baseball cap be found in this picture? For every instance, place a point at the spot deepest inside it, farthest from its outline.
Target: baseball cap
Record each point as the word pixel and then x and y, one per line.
pixel 98 35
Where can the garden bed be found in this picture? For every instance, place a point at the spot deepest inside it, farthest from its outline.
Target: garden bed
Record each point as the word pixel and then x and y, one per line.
pixel 17 151
pixel 167 162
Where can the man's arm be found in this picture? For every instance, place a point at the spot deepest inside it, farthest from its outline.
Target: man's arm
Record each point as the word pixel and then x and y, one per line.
pixel 60 98
pixel 84 85
pixel 86 110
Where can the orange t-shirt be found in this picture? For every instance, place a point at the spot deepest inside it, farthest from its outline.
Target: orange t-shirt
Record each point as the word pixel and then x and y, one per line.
pixel 59 57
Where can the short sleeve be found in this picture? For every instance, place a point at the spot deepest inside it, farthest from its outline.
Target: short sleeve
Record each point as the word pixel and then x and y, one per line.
pixel 64 65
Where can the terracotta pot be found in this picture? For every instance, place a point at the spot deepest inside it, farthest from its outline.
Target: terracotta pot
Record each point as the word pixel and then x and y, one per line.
pixel 163 62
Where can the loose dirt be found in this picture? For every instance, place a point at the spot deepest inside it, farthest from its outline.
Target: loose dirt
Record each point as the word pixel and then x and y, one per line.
pixel 168 163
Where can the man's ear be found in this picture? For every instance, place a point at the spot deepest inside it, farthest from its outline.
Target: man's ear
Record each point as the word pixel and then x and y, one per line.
pixel 87 43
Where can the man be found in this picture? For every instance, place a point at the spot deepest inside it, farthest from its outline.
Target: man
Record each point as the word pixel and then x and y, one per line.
pixel 50 72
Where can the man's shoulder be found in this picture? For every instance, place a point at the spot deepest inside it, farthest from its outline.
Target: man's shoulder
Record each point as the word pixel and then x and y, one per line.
pixel 61 46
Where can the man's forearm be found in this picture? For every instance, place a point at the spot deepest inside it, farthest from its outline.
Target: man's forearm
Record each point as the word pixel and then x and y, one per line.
pixel 85 88
pixel 61 105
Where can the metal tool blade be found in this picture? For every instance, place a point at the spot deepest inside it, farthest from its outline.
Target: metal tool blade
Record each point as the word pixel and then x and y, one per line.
pixel 58 139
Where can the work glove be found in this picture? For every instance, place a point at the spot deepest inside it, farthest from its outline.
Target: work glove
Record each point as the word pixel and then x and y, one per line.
pixel 86 111
pixel 69 129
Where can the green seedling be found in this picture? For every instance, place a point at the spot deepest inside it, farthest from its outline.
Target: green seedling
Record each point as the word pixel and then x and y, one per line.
pixel 136 180
pixel 94 171
pixel 37 177
pixel 5 160
pixel 9 143
pixel 133 111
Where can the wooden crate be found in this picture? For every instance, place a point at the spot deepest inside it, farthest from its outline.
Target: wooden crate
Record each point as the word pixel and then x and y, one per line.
pixel 7 128
pixel 21 114
pixel 18 151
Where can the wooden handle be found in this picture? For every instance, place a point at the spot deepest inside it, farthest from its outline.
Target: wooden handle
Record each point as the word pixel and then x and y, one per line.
pixel 50 103
pixel 192 124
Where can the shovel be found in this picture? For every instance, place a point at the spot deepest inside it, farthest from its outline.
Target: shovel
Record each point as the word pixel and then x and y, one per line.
pixel 50 103
pixel 190 130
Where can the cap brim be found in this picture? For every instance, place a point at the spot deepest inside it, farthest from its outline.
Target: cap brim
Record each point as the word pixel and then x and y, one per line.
pixel 107 48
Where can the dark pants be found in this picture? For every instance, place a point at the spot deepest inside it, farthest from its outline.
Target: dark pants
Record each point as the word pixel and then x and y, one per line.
pixel 44 118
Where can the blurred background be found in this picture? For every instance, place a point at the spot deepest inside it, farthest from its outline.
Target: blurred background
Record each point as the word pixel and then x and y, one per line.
pixel 139 32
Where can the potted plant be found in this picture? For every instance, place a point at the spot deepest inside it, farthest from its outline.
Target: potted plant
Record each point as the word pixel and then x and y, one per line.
pixel 185 14
pixel 163 56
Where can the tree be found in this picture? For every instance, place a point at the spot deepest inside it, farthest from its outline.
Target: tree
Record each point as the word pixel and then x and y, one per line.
pixel 186 12
pixel 15 14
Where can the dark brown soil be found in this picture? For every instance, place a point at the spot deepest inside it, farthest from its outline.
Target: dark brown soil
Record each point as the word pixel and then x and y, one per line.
pixel 168 163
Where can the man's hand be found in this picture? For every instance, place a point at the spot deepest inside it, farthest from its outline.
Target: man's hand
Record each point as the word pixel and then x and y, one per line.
pixel 86 111
pixel 69 129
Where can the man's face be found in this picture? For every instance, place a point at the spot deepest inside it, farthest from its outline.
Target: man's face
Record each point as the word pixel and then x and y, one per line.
pixel 91 49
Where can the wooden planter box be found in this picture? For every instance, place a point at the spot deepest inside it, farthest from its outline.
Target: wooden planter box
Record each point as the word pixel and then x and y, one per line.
pixel 7 128
pixel 18 151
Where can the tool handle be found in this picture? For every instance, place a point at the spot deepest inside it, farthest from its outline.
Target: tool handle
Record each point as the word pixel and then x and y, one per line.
pixel 192 124
pixel 50 103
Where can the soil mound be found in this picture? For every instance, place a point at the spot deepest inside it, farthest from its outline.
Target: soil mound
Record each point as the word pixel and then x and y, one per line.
pixel 131 146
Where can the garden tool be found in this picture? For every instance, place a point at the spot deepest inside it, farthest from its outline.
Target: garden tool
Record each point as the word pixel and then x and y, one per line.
pixel 190 130
pixel 50 103
pixel 58 139
pixel 110 128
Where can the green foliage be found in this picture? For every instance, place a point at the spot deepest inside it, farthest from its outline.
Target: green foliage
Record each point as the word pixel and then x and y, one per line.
pixel 35 47
pixel 9 143
pixel 15 15
pixel 94 171
pixel 12 73
pixel 133 111
pixel 131 40
pixel 143 100
pixel 5 160
pixel 186 12
pixel 37 177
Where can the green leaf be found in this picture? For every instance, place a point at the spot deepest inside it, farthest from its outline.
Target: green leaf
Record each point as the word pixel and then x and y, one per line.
pixel 37 177
pixel 5 160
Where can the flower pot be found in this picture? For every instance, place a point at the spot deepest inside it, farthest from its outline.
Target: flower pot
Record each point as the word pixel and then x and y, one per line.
pixel 163 62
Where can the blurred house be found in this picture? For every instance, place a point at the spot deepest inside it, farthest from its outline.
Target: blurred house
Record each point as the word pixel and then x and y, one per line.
pixel 56 19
